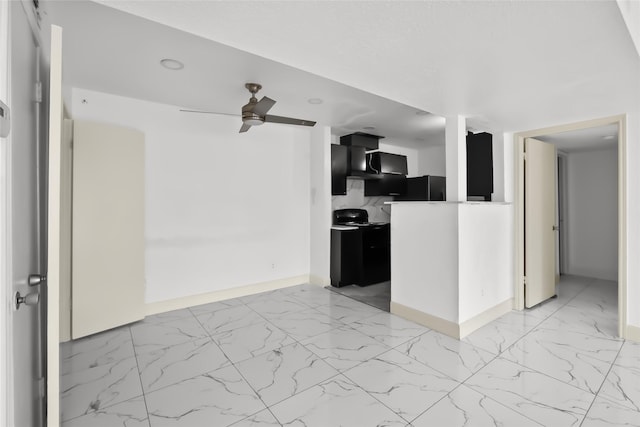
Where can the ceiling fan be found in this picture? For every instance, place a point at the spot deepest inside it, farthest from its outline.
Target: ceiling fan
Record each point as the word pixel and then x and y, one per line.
pixel 255 112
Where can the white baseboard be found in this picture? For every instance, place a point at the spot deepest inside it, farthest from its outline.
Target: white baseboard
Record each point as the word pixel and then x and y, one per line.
pixel 319 280
pixel 192 300
pixel 436 323
pixel 487 316
pixel 632 333
pixel 447 327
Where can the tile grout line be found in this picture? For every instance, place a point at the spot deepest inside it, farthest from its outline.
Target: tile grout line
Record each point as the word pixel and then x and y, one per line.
pixel 144 394
pixel 498 355
pixel 596 395
pixel 236 369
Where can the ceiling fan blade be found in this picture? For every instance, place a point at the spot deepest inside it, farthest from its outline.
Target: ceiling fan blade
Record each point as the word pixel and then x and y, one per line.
pixel 244 128
pixel 210 112
pixel 263 106
pixel 288 121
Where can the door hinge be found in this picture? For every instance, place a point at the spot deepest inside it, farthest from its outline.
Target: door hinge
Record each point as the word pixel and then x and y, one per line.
pixel 524 280
pixel 38 92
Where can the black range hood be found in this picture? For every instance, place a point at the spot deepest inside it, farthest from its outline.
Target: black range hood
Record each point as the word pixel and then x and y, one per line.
pixel 357 145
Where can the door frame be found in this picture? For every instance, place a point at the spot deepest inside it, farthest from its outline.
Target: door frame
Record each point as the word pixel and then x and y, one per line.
pixel 518 139
pixel 6 336
pixel 563 250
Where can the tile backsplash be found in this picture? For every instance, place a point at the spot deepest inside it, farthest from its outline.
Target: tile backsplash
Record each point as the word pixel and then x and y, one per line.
pixel 355 198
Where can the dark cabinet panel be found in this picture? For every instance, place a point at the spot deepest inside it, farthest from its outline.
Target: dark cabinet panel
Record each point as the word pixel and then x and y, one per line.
pixel 357 161
pixel 428 187
pixel 386 163
pixel 361 256
pixel 339 163
pixel 346 257
pixel 386 185
pixel 361 140
pixel 480 165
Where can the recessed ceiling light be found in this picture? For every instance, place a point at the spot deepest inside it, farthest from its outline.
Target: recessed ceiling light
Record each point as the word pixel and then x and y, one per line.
pixel 172 64
pixel 315 101
pixel 608 137
pixel 369 128
pixel 421 113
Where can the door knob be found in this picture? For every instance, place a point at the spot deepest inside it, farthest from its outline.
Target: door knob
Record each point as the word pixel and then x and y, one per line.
pixel 29 299
pixel 36 279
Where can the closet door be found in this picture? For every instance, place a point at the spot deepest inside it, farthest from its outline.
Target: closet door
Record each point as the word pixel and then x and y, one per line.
pixel 108 227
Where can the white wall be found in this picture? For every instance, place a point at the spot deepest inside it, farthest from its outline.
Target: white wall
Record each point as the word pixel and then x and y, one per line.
pixel 592 214
pixel 432 161
pixel 320 213
pixel 424 258
pixel 486 280
pixel 223 209
pixel 448 259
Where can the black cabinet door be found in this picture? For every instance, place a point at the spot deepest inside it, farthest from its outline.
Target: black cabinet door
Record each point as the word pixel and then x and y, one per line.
pixel 346 257
pixel 480 165
pixel 386 185
pixel 339 158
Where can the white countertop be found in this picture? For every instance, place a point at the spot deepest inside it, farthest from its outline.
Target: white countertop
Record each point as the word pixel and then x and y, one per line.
pixel 424 202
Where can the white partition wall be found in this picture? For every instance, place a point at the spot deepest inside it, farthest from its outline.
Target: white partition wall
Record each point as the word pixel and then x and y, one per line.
pixel 449 263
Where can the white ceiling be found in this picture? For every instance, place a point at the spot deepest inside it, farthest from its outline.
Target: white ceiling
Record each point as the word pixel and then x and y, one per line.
pixel 511 66
pixel 596 138
pixel 115 52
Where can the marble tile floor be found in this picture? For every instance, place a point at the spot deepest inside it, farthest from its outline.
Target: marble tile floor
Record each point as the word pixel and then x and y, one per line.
pixel 377 295
pixel 306 356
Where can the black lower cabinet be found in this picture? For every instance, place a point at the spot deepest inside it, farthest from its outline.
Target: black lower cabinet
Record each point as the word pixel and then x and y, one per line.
pixel 376 255
pixel 346 257
pixel 361 256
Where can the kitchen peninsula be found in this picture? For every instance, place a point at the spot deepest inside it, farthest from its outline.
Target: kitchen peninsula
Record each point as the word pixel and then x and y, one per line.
pixel 449 268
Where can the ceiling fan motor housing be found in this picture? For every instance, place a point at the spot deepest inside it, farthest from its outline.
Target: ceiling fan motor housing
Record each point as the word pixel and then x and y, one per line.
pixel 248 116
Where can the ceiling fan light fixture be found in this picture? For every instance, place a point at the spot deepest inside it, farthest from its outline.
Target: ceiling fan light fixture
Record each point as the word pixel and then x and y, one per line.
pixel 252 121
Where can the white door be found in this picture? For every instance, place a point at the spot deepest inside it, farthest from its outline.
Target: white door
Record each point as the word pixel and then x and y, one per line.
pixel 26 219
pixel 108 227
pixel 540 214
pixel 58 228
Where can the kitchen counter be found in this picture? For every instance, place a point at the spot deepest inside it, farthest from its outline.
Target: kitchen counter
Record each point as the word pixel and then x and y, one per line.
pixel 450 267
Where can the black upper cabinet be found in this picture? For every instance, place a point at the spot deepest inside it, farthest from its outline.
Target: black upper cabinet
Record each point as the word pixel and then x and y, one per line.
pixel 386 185
pixel 360 139
pixel 339 163
pixel 386 163
pixel 357 161
pixel 479 165
pixel 426 187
